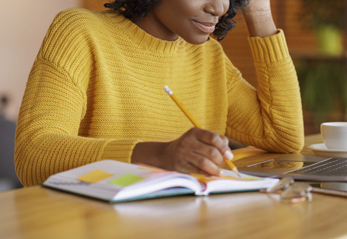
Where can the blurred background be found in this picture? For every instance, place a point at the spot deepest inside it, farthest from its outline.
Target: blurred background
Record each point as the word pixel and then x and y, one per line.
pixel 315 32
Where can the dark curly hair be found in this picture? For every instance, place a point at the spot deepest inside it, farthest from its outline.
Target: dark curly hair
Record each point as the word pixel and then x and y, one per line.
pixel 139 8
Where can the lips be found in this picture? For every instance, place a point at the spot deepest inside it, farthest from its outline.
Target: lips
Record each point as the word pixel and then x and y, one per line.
pixel 206 27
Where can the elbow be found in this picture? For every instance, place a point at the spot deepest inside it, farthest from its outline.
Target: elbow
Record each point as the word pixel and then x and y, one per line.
pixel 24 164
pixel 289 139
pixel 295 147
pixel 293 144
pixel 21 168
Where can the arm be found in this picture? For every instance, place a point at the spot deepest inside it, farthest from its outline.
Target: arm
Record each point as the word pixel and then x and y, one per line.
pixel 55 133
pixel 47 140
pixel 54 107
pixel 196 151
pixel 269 117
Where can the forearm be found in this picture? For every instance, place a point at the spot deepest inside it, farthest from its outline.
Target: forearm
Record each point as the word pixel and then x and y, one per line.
pixel 271 116
pixel 38 156
pixel 49 124
pixel 259 18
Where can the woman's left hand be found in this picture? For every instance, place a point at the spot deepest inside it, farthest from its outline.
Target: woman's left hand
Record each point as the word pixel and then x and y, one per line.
pixel 259 7
pixel 259 18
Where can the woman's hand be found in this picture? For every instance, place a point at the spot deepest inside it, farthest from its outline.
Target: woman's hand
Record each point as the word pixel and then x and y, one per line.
pixel 259 18
pixel 196 151
pixel 259 7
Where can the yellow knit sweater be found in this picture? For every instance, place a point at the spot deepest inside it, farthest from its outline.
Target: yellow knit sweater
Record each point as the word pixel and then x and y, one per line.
pixel 96 89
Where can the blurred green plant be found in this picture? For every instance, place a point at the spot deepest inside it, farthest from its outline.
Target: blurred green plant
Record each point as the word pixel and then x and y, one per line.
pixel 322 79
pixel 327 19
pixel 323 86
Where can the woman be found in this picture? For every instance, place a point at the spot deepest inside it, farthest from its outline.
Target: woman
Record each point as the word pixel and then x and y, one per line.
pixel 96 89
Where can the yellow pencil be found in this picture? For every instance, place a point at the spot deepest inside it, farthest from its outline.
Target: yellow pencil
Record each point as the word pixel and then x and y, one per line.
pixel 195 123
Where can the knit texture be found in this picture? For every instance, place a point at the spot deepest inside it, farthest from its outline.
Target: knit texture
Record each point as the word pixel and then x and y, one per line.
pixel 96 90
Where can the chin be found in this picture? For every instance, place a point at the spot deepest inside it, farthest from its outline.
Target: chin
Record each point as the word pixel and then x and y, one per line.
pixel 197 39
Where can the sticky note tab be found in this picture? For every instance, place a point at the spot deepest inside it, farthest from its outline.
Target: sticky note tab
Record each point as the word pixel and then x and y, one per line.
pixel 241 179
pixel 153 169
pixel 94 176
pixel 203 179
pixel 126 180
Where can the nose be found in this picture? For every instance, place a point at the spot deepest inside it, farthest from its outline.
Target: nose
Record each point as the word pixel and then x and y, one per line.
pixel 217 7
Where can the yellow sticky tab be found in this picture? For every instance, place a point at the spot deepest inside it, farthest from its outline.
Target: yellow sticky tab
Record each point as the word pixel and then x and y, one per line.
pixel 153 169
pixel 240 179
pixel 94 176
pixel 202 178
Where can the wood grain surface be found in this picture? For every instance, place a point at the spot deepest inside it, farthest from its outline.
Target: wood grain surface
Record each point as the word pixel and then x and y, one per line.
pixel 38 212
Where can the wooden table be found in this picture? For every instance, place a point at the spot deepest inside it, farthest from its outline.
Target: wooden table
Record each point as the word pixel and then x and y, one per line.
pixel 37 213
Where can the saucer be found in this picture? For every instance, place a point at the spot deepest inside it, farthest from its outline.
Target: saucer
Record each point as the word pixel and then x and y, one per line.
pixel 322 150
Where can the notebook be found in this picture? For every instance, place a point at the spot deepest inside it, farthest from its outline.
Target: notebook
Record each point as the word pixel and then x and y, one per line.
pixel 115 181
pixel 301 167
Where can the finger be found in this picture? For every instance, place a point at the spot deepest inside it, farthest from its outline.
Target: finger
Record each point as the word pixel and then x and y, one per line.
pixel 189 168
pixel 226 143
pixel 227 153
pixel 225 139
pixel 194 142
pixel 208 151
pixel 204 164
pixel 216 140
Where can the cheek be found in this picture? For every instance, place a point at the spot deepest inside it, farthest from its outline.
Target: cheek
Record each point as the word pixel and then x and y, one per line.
pixel 226 5
pixel 175 20
pixel 183 8
pixel 184 5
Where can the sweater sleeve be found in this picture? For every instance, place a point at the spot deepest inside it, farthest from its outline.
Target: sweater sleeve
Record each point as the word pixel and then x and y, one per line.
pixel 269 117
pixel 54 104
pixel 47 140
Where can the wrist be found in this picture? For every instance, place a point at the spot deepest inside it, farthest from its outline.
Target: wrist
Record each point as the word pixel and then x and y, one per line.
pixel 150 153
pixel 259 19
pixel 257 8
pixel 260 24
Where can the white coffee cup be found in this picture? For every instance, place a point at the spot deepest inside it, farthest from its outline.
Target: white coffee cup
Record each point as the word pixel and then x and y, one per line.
pixel 334 135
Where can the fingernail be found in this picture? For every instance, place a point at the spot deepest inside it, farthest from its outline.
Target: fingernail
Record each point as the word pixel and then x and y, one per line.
pixel 229 155
pixel 221 173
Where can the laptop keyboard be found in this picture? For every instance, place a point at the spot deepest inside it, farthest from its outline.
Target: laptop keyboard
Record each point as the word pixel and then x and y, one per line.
pixel 329 167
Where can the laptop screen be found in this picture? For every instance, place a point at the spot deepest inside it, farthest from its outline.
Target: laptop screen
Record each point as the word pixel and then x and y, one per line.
pixel 279 164
pixel 301 167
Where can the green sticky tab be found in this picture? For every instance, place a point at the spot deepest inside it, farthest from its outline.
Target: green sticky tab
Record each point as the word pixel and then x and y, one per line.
pixel 250 178
pixel 126 180
pixel 94 176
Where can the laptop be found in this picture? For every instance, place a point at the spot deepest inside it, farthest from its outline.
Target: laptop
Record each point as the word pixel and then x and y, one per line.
pixel 301 167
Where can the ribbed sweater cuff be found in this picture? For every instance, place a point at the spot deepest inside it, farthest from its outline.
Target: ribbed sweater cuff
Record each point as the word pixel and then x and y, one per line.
pixel 269 49
pixel 119 150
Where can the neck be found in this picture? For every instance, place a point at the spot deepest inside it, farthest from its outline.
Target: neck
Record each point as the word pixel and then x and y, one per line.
pixel 154 27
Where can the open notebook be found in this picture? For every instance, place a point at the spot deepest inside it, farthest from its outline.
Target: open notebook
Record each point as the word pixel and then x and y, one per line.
pixel 115 181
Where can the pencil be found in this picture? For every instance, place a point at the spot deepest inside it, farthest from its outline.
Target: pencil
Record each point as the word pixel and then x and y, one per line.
pixel 196 124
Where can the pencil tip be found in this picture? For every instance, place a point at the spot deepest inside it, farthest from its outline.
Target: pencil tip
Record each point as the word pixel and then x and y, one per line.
pixel 237 172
